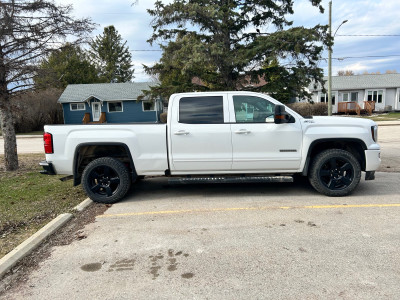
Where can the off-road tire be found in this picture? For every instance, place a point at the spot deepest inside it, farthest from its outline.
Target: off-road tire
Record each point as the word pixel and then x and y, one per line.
pixel 106 180
pixel 335 173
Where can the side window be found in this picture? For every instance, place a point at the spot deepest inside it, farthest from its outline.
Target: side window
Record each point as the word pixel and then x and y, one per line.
pixel 201 110
pixel 252 109
pixel 77 106
pixel 115 107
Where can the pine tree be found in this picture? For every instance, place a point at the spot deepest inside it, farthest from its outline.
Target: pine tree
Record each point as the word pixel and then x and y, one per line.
pixel 222 45
pixel 67 65
pixel 112 56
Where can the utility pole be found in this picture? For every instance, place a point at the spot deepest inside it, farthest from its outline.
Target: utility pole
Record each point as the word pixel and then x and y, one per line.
pixel 330 63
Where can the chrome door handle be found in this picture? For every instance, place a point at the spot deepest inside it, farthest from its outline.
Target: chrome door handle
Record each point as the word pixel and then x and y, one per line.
pixel 181 132
pixel 242 131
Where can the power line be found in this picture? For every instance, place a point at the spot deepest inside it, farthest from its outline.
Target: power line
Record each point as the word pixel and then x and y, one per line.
pixel 368 35
pixel 368 56
pixel 139 50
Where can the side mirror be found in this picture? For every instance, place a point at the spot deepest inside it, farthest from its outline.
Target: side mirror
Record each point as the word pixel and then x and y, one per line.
pixel 281 116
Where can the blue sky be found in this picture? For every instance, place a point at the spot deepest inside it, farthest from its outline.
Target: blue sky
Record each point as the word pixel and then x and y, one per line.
pixel 365 17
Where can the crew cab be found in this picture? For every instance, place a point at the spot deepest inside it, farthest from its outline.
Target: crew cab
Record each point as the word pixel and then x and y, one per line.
pixel 216 134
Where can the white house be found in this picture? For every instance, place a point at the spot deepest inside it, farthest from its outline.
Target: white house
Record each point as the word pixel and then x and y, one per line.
pixel 383 89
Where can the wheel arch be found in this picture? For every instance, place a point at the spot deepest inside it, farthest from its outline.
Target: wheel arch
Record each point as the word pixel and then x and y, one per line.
pixel 354 146
pixel 87 152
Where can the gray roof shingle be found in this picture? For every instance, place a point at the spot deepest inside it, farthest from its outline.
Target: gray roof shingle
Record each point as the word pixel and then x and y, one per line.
pixel 362 82
pixel 104 91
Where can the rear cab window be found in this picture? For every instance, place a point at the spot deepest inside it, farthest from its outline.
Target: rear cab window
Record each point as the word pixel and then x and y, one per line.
pixel 201 110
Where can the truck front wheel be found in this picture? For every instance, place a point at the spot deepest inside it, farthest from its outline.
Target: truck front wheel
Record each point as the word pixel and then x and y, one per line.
pixel 106 180
pixel 335 173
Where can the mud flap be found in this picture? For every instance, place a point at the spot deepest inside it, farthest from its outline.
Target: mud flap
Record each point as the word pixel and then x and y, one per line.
pixel 370 175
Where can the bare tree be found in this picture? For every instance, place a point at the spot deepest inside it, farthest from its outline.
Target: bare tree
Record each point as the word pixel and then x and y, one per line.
pixel 30 30
pixel 346 73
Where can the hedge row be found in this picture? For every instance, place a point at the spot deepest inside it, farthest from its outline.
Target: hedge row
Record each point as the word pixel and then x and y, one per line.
pixel 310 109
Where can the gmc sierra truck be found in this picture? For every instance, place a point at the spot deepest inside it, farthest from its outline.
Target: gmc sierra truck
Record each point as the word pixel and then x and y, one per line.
pixel 216 136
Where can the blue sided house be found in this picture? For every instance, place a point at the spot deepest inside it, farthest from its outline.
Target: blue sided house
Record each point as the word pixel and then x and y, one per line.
pixel 109 103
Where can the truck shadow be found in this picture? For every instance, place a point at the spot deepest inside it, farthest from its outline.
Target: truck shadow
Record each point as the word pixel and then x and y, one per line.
pixel 159 188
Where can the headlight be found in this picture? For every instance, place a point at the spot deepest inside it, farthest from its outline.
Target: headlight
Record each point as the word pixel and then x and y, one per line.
pixel 374 133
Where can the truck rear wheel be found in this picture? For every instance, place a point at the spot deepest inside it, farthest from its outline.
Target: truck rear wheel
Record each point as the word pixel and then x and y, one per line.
pixel 335 173
pixel 106 180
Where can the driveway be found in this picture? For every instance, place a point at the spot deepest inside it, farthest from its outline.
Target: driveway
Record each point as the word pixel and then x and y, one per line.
pixel 238 241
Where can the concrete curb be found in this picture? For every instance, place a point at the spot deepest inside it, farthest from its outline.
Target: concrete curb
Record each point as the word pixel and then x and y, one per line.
pixel 26 247
pixel 83 205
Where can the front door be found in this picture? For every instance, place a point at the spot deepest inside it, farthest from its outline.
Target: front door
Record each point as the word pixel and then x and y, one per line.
pixel 378 96
pixel 96 111
pixel 200 138
pixel 335 100
pixel 258 143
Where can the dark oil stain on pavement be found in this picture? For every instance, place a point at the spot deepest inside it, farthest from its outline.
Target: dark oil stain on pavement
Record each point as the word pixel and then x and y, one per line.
pixel 154 271
pixel 155 265
pixel 122 265
pixel 171 262
pixel 91 267
pixel 187 275
pixel 311 224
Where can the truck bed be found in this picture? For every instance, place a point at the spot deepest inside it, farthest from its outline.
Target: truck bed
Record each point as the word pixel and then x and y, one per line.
pixel 146 142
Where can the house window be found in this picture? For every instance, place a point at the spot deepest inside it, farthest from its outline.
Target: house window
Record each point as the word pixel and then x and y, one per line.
pixel 148 106
pixel 350 96
pixel 376 95
pixel 115 107
pixel 77 106
pixel 324 98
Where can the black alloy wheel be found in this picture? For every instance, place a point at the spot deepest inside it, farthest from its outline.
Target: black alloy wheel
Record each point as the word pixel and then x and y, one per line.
pixel 106 180
pixel 335 172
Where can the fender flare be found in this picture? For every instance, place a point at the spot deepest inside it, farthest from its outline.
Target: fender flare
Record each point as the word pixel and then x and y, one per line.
pixel 321 141
pixel 77 178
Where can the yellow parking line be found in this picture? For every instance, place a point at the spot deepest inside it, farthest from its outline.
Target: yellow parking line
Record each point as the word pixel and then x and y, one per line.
pixel 167 212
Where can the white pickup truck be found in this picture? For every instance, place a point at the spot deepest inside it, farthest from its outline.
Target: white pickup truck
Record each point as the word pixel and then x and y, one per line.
pixel 216 136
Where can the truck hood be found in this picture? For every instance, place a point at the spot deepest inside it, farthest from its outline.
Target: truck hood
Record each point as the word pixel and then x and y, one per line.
pixel 339 128
pixel 339 121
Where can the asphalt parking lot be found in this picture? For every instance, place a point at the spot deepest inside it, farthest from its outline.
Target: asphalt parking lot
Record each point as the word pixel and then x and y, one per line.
pixel 237 241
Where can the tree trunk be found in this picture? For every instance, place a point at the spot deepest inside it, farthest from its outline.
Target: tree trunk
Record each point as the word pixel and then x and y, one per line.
pixel 6 120
pixel 8 131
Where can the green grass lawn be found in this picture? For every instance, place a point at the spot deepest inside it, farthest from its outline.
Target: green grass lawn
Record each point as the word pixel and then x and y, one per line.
pixel 391 116
pixel 29 200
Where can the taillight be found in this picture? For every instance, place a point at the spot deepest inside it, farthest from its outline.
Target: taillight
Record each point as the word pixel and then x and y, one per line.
pixel 48 143
pixel 374 133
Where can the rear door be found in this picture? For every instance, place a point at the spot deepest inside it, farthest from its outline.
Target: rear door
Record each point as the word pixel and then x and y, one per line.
pixel 258 143
pixel 200 135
